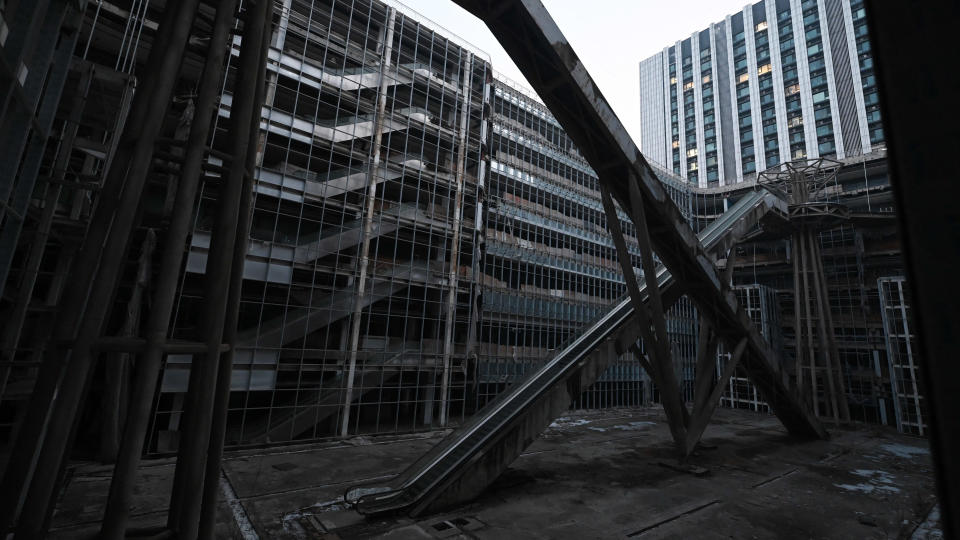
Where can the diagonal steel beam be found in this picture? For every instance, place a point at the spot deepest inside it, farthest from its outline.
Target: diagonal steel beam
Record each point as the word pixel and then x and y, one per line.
pixel 659 360
pixel 540 50
pixel 706 355
pixel 703 411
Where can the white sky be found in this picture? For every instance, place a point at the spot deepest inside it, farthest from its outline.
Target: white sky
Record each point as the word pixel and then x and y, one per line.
pixel 611 37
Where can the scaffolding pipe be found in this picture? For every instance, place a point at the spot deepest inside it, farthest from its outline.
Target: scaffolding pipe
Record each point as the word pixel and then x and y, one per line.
pixel 797 327
pixel 368 220
pixel 125 210
pixel 804 262
pixel 148 367
pixel 455 242
pixel 211 482
pixel 825 351
pixel 116 369
pixel 659 365
pixel 48 393
pixel 184 514
pixel 826 317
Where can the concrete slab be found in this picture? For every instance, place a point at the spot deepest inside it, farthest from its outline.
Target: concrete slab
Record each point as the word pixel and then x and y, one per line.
pixel 592 474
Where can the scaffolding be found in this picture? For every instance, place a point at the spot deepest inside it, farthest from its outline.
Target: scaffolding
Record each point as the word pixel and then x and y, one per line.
pixel 760 303
pixel 909 404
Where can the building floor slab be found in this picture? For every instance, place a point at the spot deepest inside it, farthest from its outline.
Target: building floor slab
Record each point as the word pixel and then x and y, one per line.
pixel 592 474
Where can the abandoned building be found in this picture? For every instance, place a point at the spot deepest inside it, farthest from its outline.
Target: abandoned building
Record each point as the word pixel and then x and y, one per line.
pixel 316 269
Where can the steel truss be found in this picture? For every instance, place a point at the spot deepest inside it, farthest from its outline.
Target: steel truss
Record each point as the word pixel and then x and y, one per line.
pixel 538 47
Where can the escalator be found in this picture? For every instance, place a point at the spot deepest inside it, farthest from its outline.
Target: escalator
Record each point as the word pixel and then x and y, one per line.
pixel 472 456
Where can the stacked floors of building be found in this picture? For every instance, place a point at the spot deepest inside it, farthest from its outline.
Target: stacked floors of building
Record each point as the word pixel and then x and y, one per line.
pixel 358 297
pixel 423 234
pixel 551 266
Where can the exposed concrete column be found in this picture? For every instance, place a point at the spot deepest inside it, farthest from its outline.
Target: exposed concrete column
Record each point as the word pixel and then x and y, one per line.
pixel 455 242
pixel 387 46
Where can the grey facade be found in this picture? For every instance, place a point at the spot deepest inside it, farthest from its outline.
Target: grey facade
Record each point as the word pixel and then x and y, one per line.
pixel 780 80
pixel 487 247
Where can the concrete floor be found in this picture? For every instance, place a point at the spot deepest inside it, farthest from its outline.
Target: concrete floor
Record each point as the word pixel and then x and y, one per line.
pixel 591 475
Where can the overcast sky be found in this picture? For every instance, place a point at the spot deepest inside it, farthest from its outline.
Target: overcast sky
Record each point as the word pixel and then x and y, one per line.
pixel 609 36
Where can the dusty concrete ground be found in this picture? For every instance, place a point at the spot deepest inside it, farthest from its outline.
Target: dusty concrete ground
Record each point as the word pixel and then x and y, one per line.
pixel 591 475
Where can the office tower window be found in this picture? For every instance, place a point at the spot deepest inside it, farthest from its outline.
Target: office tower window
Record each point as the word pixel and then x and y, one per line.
pixel 867 79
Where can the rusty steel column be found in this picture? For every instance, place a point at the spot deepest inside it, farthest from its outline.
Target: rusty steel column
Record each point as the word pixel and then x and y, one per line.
pixel 184 514
pixel 211 482
pixel 658 365
pixel 116 368
pixel 822 306
pixel 58 394
pixel 797 327
pixel 827 318
pixel 373 170
pixel 148 366
pixel 455 243
pixel 804 263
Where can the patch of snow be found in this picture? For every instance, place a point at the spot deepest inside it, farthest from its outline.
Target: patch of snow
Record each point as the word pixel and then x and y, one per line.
pixel 905 451
pixel 247 531
pixel 867 488
pixel 632 426
pixel 876 481
pixel 565 422
pixel 291 523
pixel 600 429
pixel 880 476
pixel 929 529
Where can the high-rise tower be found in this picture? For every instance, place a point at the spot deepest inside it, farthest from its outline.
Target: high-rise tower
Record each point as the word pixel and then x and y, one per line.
pixel 780 80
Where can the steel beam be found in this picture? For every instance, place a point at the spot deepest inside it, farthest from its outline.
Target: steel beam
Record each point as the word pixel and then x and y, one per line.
pixel 540 50
pixel 453 273
pixel 706 364
pixel 659 357
pixel 192 454
pixel 356 319
pixel 148 366
pixel 221 404
pixel 48 428
pixel 704 412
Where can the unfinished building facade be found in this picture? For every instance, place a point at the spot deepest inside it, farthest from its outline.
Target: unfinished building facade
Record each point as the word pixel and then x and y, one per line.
pixel 423 234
